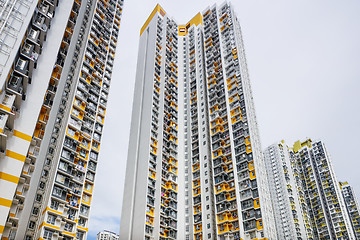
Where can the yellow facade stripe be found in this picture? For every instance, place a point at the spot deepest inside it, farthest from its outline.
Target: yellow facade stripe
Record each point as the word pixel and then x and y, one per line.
pixel 158 9
pixel 51 210
pixel 49 225
pixel 9 177
pixel 1 229
pixel 5 108
pixel 15 155
pixel 69 233
pixel 81 228
pixel 5 202
pixel 22 135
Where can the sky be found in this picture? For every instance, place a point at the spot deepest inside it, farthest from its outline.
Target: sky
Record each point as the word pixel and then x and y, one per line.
pixel 304 62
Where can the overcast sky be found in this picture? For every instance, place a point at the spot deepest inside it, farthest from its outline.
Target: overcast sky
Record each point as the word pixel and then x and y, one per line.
pixel 304 63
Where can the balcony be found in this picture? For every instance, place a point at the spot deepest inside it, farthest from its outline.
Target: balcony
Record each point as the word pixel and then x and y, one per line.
pixel 21 67
pixel 33 36
pixel 39 22
pixel 45 10
pixel 15 83
pixel 28 51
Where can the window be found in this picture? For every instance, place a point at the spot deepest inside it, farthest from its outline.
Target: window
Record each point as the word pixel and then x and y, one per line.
pixel 54 204
pixel 100 118
pixel 51 219
pixel 58 192
pixel 82 222
pixel 95 145
pixel 83 153
pixel 80 235
pixel 38 197
pixel 77 102
pixel 90 176
pixel 71 132
pixel 68 227
pixel 84 210
pixel 35 211
pixel 86 198
pixel 97 136
pixel 93 155
pixel 88 186
pixel 75 112
pixel 45 173
pixel 98 127
pixel 31 224
pixel 48 234
pixel 63 166
pixel 85 142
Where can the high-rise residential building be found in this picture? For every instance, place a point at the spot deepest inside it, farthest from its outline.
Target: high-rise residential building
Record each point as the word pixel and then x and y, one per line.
pixel 107 235
pixel 322 192
pixel 307 199
pixel 352 206
pixel 195 168
pixel 290 210
pixel 56 60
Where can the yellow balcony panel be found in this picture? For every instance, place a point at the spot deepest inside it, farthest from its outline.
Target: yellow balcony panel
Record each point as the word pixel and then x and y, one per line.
pixel 197 209
pixel 259 224
pixel 196 191
pixel 196 183
pixel 198 228
pixel 251 166
pixel 152 175
pixel 219 188
pixel 150 212
pixel 248 148
pixel 252 174
pixel 256 203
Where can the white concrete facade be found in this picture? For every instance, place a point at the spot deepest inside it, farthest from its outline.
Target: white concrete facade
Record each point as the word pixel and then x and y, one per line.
pixel 291 216
pixel 306 195
pixel 53 106
pixel 352 206
pixel 193 112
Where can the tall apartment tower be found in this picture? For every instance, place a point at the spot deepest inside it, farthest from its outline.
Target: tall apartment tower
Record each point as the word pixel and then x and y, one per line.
pixel 56 61
pixel 352 206
pixel 323 195
pixel 290 210
pixel 194 142
pixel 305 192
